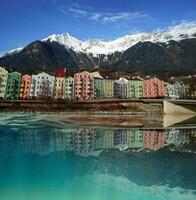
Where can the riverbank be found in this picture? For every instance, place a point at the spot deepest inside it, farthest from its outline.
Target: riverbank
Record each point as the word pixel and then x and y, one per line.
pixel 107 107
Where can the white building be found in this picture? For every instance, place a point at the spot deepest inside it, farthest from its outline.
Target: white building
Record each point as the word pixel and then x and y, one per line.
pixel 42 85
pixel 69 88
pixel 121 88
pixel 169 90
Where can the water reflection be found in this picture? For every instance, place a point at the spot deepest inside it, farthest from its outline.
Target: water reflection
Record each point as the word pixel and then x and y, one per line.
pixel 92 141
pixel 44 158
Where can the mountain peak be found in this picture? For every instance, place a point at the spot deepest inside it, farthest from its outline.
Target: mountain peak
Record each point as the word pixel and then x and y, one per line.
pixel 96 47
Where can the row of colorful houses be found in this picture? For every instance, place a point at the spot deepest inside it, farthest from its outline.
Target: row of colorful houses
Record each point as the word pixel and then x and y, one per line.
pixel 84 85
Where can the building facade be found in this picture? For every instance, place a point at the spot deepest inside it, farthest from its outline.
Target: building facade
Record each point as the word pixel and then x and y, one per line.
pixel 25 87
pixel 121 89
pixel 42 85
pixel 3 82
pixel 179 89
pixel 108 85
pixel 99 88
pixel 59 87
pixel 83 86
pixel 136 88
pixel 169 90
pixel 59 84
pixel 69 88
pixel 13 86
pixel 154 88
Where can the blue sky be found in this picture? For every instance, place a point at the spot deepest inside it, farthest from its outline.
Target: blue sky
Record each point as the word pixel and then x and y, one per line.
pixel 23 21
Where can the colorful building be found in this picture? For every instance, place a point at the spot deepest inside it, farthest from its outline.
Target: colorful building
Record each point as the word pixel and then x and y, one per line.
pixel 108 85
pixel 59 84
pixel 42 85
pixel 69 88
pixel 13 86
pixel 121 89
pixel 153 88
pixel 169 90
pixel 180 89
pixel 99 88
pixel 25 87
pixel 136 88
pixel 83 85
pixel 3 82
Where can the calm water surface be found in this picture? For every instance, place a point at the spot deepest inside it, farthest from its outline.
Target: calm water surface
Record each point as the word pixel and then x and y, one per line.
pixel 43 158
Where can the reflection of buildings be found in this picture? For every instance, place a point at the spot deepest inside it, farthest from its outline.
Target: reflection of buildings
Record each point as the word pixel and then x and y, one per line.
pixel 128 138
pixel 104 139
pixel 176 137
pixel 91 141
pixel 135 138
pixel 84 141
pixel 44 141
pixel 154 139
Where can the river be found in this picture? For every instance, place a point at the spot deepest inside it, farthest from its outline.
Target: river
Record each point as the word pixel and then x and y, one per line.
pixel 56 157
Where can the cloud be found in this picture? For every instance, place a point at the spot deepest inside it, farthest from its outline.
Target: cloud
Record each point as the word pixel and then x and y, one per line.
pixel 96 16
pixel 77 10
pixel 182 27
pixel 123 16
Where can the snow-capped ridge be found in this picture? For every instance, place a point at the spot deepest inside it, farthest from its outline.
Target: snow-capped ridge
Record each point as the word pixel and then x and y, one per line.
pixel 96 46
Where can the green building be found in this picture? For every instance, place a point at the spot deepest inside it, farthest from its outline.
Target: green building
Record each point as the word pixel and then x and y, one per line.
pixel 13 86
pixel 136 88
pixel 99 88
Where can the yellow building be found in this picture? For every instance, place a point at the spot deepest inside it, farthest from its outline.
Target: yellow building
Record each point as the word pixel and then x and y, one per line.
pixel 3 82
pixel 59 87
pixel 108 85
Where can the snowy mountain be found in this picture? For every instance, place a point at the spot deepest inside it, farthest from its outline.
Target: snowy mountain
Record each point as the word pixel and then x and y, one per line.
pixel 185 30
pixel 96 46
pixel 163 52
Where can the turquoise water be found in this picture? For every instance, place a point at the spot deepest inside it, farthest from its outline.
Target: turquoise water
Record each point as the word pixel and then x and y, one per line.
pixel 43 158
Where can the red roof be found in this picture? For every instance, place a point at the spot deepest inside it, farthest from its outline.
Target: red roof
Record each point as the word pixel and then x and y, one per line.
pixel 60 73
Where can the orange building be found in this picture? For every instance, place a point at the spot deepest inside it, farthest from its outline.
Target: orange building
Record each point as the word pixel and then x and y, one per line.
pixel 153 88
pixel 25 87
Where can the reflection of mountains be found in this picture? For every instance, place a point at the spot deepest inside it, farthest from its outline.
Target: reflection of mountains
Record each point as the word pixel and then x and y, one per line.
pixel 92 141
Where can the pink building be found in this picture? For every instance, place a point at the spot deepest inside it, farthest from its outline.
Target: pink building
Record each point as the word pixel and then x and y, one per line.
pixel 154 139
pixel 83 85
pixel 154 87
